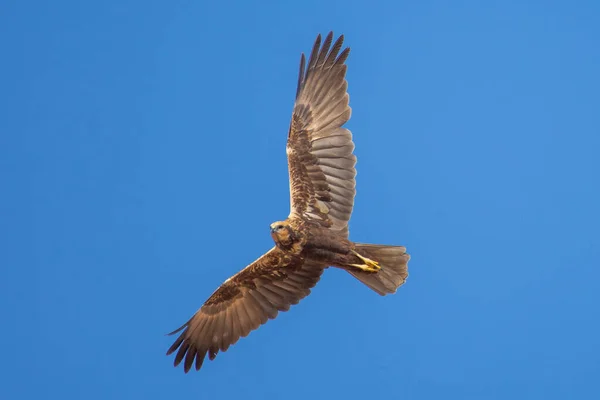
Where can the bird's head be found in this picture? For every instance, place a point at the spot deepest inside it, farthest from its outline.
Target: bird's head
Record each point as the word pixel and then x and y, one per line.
pixel 282 234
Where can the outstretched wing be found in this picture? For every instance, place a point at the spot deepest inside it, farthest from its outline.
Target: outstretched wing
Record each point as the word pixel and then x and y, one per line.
pixel 245 301
pixel 320 159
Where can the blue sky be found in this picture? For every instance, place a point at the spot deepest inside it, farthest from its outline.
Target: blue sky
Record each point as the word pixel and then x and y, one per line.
pixel 142 159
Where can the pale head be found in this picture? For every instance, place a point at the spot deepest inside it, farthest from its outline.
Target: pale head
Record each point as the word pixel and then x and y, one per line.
pixel 282 234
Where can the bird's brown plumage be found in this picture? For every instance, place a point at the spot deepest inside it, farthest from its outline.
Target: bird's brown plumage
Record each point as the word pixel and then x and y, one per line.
pixel 320 159
pixel 245 301
pixel 315 234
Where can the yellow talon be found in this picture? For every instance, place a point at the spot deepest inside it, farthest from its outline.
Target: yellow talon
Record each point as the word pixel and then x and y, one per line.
pixel 368 266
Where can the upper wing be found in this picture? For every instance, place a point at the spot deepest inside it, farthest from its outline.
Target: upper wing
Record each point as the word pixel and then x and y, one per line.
pixel 243 303
pixel 320 159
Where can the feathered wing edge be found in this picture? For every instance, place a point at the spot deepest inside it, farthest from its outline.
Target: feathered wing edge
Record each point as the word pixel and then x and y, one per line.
pixel 320 159
pixel 243 303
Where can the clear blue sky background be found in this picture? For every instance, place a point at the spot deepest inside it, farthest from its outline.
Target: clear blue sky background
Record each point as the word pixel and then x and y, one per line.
pixel 142 159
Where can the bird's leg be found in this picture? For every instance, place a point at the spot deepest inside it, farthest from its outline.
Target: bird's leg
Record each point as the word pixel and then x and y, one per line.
pixel 368 266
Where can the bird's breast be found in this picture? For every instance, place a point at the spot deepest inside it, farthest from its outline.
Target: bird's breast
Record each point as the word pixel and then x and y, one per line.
pixel 326 246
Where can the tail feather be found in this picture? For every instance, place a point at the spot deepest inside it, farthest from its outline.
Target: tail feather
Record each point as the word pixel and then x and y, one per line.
pixel 394 267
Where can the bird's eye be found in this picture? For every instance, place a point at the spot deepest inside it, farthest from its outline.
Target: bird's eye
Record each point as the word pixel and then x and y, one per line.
pixel 276 228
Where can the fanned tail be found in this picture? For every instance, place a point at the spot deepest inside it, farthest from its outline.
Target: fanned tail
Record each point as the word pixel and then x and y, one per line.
pixel 394 267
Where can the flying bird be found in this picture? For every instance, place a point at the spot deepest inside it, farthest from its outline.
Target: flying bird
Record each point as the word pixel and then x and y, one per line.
pixel 315 234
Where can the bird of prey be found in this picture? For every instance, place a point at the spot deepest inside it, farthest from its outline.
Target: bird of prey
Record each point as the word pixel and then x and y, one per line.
pixel 315 234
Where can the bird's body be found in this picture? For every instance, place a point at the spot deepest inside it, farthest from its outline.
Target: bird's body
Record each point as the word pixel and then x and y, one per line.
pixel 316 244
pixel 315 234
pixel 312 242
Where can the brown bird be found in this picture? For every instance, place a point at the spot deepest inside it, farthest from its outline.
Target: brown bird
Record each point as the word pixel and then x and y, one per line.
pixel 315 234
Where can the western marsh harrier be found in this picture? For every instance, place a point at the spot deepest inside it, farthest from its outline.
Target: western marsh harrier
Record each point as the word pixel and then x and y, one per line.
pixel 315 234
